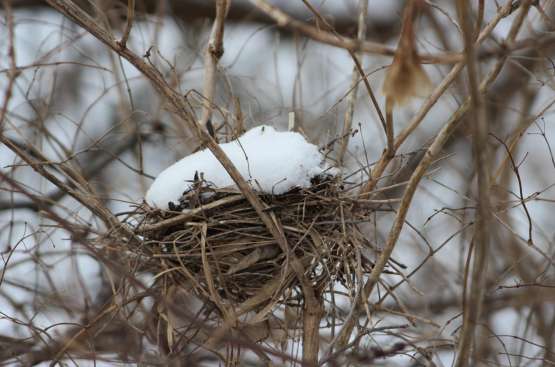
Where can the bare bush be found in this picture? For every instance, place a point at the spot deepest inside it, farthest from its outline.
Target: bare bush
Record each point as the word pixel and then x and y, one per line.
pixel 437 113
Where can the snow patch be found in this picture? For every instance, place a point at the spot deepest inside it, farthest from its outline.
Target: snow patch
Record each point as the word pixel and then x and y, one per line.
pixel 272 162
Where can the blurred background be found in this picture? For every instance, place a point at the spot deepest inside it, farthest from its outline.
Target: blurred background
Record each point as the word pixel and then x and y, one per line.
pixel 89 120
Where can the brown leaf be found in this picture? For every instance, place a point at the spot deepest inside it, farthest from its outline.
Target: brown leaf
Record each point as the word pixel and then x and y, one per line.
pixel 405 77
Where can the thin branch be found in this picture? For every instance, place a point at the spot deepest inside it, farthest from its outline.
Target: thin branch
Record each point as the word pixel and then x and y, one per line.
pixel 473 304
pixel 384 160
pixel 399 220
pixel 213 53
pixel 520 186
pixel 419 172
pixel 351 100
pixel 357 70
pixel 13 72
pixel 389 128
pixel 89 171
pixel 180 104
pixel 284 20
pixel 129 24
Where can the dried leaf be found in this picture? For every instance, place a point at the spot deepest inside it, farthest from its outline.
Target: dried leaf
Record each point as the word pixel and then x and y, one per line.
pixel 405 77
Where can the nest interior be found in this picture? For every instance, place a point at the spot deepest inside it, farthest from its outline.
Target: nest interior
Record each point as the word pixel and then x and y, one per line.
pixel 215 244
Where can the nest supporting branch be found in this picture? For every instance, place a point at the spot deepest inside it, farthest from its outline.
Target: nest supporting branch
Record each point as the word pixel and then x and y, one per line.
pixel 214 245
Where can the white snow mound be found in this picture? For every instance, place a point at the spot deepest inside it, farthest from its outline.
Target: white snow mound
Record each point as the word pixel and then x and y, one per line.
pixel 271 161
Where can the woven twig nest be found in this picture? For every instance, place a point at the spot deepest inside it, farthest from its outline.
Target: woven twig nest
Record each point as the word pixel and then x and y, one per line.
pixel 214 244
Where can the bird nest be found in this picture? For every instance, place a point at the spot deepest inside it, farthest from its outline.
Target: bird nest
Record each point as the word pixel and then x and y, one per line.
pixel 215 244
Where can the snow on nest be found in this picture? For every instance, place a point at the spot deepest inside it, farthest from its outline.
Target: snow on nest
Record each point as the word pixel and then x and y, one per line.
pixel 271 161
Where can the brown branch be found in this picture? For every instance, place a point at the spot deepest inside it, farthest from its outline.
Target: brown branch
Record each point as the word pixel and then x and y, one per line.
pixel 381 29
pixel 180 104
pixel 213 53
pixel 91 170
pixel 284 20
pixel 357 70
pixel 349 111
pixel 129 24
pixel 473 305
pixel 13 72
pixel 76 189
pixel 70 10
pixel 520 186
pixel 429 157
pixel 389 128
pixel 385 159
pixel 419 172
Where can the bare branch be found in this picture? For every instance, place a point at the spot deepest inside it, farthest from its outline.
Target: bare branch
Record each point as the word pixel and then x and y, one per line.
pixel 473 303
pixel 129 24
pixel 213 53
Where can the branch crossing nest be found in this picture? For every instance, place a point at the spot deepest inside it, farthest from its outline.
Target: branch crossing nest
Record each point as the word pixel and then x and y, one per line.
pixel 215 244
